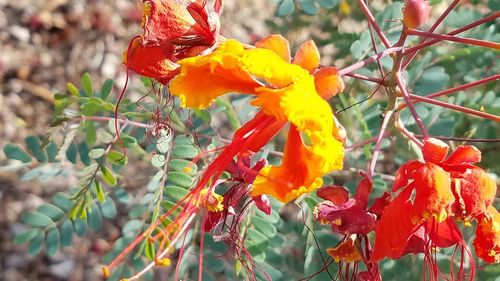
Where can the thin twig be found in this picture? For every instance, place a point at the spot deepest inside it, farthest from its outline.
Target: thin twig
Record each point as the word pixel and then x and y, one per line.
pixel 463 40
pixel 373 23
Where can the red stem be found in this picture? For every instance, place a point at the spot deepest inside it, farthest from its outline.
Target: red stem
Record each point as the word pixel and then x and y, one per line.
pixel 361 64
pixel 457 108
pixel 454 32
pixel 366 78
pixel 469 41
pixel 373 23
pixel 380 137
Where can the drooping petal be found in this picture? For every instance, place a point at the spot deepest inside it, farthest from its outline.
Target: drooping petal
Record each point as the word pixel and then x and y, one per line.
pixel 434 150
pixel 346 218
pixel 379 204
pixel 165 20
pixel 204 78
pixel 433 196
pixel 405 174
pixel 487 241
pixel 466 154
pixel 157 62
pixel 262 202
pixel 297 174
pixel 363 191
pixel 475 191
pixel 307 56
pixel 277 44
pixel 394 228
pixel 345 251
pixel 327 82
pixel 334 193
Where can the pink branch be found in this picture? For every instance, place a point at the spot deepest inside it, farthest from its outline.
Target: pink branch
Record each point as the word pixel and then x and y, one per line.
pixel 366 78
pixel 457 108
pixel 361 64
pixel 380 137
pixel 365 142
pixel 454 32
pixel 373 23
pixel 406 96
pixel 469 41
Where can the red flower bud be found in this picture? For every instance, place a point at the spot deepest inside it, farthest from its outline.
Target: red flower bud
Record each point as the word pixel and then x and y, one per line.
pixel 415 13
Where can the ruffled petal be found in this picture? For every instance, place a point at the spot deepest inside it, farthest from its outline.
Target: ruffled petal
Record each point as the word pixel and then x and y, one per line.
pixel 466 154
pixel 165 20
pixel 334 193
pixel 157 62
pixel 346 218
pixel 307 56
pixel 204 78
pixel 433 196
pixel 405 174
pixel 276 43
pixel 327 82
pixel 487 241
pixel 475 191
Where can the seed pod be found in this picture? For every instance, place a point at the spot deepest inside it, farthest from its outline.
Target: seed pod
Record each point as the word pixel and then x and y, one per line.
pixel 415 13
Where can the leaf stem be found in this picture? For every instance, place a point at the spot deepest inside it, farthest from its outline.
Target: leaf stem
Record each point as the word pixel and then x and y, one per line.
pixel 463 40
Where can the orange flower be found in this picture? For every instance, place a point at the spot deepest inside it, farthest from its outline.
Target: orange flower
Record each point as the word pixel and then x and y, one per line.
pixel 172 30
pixel 346 251
pixel 286 93
pixel 432 193
pixel 487 242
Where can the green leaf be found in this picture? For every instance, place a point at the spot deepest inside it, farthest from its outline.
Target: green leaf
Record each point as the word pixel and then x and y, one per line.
pixel 95 217
pixel 182 165
pixel 72 89
pixel 63 201
pixel 34 146
pixel 180 179
pixel 129 141
pixel 184 151
pixel 117 158
pixel 149 250
pixel 308 6
pixel 80 226
pixel 36 244
pixel 13 151
pixel 96 153
pixel 87 84
pixel 106 89
pixel 26 235
pixel 99 191
pixel 176 192
pixel 132 227
pixel 265 227
pixel 52 150
pixel 55 213
pixel 90 132
pixel 66 232
pixel 83 150
pixel 108 208
pixel 36 219
pixel 53 241
pixel 71 153
pixel 328 4
pixel 286 8
pixel 256 236
pixel 108 176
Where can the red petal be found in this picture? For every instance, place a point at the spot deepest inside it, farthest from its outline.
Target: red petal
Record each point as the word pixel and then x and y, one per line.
pixel 346 218
pixel 335 193
pixel 466 154
pixel 487 241
pixel 363 192
pixel 262 202
pixel 380 204
pixel 475 191
pixel 405 174
pixel 434 150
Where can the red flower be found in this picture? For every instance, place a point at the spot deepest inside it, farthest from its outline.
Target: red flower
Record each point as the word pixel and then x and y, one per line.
pixel 431 195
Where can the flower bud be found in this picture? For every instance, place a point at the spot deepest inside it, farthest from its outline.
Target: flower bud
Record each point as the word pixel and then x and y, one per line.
pixel 415 13
pixel 262 202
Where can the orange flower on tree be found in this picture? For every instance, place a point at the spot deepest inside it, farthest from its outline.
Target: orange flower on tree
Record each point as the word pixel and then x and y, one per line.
pixel 432 195
pixel 286 93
